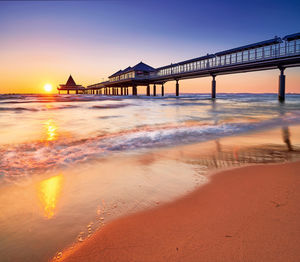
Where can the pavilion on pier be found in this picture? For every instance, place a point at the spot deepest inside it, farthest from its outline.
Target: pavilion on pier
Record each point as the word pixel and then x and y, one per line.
pixel 71 86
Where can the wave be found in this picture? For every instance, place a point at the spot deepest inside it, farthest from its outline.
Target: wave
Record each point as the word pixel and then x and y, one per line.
pixel 108 117
pixel 109 106
pixel 41 98
pixel 17 109
pixel 30 158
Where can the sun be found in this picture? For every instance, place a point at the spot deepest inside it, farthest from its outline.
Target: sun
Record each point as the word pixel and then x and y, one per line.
pixel 48 87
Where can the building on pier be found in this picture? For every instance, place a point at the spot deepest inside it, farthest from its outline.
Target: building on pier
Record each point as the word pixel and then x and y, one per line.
pixel 71 86
pixel 141 70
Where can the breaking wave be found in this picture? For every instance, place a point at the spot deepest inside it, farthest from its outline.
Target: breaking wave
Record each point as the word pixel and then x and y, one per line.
pixel 109 106
pixel 17 109
pixel 29 158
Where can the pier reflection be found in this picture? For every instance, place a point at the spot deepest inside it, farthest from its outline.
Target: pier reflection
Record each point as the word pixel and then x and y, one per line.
pixel 235 154
pixel 285 129
pixel 286 137
pixel 49 192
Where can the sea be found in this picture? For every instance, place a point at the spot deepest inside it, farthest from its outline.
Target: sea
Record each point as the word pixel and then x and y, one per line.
pixel 71 163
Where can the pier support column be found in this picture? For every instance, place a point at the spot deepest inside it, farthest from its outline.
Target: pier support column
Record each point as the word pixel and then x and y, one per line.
pixel 154 90
pixel 281 88
pixel 134 90
pixel 68 92
pixel 162 90
pixel 177 87
pixel 213 87
pixel 117 91
pixel 148 90
pixel 127 91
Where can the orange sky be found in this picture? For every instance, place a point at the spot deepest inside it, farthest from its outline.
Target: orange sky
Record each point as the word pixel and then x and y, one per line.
pixel 31 78
pixel 29 62
pixel 51 40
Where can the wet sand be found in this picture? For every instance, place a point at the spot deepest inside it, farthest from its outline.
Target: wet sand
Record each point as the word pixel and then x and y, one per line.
pixel 244 214
pixel 46 214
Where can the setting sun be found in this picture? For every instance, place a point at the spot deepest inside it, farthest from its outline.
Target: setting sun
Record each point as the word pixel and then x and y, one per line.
pixel 48 87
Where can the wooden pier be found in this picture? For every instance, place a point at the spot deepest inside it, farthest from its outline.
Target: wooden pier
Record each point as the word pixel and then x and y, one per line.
pixel 277 53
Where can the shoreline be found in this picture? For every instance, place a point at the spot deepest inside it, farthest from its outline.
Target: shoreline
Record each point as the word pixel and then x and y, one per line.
pixel 243 214
pixel 100 192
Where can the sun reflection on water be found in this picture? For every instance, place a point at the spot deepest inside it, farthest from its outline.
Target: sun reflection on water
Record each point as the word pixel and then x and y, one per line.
pixel 51 129
pixel 49 191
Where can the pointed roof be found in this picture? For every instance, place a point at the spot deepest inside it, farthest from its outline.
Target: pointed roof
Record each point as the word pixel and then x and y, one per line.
pixel 70 81
pixel 115 74
pixel 127 69
pixel 138 67
pixel 143 67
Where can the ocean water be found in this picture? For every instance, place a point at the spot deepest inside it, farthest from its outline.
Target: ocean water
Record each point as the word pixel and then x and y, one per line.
pixel 44 132
pixel 71 163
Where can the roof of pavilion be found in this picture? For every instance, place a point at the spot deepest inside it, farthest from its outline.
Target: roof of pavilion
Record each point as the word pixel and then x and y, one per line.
pixel 70 84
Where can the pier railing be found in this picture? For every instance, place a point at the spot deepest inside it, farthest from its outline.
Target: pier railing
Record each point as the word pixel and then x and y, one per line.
pixel 274 51
pixel 224 59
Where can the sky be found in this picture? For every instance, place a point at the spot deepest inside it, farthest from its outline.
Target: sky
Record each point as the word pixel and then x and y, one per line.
pixel 46 41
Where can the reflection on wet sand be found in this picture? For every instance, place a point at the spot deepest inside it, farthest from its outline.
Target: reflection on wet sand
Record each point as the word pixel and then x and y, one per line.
pixel 236 155
pixel 50 130
pixel 49 191
pixel 286 137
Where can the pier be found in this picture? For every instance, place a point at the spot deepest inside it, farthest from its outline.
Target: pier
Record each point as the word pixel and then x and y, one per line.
pixel 277 53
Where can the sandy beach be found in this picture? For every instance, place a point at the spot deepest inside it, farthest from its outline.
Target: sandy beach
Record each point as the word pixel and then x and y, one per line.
pixel 149 132
pixel 140 190
pixel 244 214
